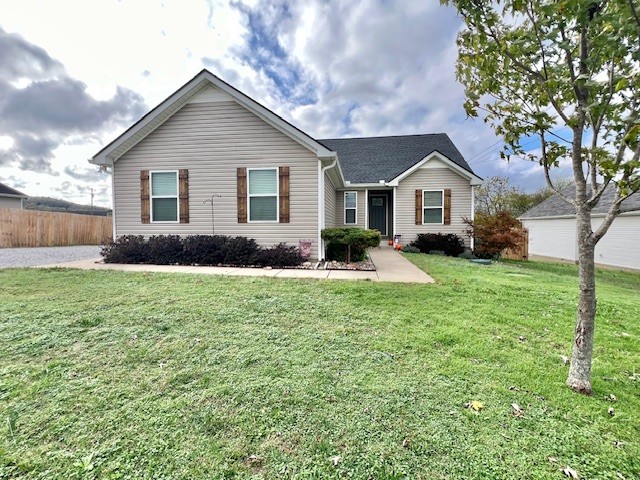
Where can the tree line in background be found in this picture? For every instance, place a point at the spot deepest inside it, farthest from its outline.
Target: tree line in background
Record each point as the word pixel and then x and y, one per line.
pixel 497 195
pixel 49 204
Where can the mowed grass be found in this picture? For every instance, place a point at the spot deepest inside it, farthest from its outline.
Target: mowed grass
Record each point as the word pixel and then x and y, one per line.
pixel 122 375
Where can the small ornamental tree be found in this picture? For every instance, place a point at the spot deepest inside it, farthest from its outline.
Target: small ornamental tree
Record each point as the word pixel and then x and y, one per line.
pixel 494 233
pixel 353 241
pixel 566 72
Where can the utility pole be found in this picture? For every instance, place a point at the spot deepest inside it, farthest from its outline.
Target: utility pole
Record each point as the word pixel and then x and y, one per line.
pixel 91 200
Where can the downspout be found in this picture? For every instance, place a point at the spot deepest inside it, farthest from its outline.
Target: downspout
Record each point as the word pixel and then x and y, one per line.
pixel 395 196
pixel 105 168
pixel 322 206
pixel 473 212
pixel 366 208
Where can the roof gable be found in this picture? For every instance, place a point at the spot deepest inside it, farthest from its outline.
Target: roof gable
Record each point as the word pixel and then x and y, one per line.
pixel 7 191
pixel 189 91
pixel 555 206
pixel 371 159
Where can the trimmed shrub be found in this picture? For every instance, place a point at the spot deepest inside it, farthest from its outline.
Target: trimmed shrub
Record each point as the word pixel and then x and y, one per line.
pixel 126 249
pixel 204 249
pixel 450 243
pixel 281 255
pixel 240 251
pixel 349 244
pixel 165 249
pixel 200 249
pixel 410 249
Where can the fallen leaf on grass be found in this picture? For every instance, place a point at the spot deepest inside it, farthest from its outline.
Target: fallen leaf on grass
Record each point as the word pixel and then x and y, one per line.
pixel 565 359
pixel 516 410
pixel 336 460
pixel 474 405
pixel 552 459
pixel 570 472
pixel 620 476
pixel 405 443
pixel 612 398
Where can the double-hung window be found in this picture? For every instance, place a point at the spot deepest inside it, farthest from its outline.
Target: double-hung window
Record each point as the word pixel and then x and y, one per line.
pixel 263 194
pixel 164 196
pixel 432 206
pixel 350 207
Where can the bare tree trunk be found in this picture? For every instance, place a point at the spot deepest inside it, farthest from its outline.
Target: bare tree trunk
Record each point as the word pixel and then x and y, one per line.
pixel 580 372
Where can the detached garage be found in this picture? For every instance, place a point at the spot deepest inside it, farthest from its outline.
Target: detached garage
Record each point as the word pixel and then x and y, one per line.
pixel 552 231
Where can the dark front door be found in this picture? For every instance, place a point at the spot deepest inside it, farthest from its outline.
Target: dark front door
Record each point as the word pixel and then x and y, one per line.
pixel 378 213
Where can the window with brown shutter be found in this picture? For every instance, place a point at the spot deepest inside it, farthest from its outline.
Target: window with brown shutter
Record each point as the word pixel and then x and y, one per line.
pixel 184 195
pixel 447 206
pixel 242 194
pixel 145 212
pixel 284 194
pixel 418 207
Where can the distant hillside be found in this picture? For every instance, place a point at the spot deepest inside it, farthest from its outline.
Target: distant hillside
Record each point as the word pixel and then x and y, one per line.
pixel 56 205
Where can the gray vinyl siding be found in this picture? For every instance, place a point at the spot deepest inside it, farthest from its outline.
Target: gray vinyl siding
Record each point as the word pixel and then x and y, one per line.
pixel 329 202
pixel 212 140
pixel 432 179
pixel 360 210
pixel 10 202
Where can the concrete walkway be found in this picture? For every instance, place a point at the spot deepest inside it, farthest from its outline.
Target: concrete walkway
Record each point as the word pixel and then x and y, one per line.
pixel 391 267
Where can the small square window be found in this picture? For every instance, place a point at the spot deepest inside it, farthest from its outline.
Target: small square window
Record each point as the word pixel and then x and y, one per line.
pixel 350 208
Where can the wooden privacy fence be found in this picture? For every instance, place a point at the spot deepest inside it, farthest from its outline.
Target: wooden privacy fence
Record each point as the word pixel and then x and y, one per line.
pixel 521 252
pixel 31 228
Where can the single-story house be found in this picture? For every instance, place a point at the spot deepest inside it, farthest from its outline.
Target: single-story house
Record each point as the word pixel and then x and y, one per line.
pixel 553 231
pixel 270 181
pixel 10 197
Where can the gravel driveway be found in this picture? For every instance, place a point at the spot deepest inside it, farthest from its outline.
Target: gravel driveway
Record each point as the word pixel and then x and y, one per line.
pixel 29 257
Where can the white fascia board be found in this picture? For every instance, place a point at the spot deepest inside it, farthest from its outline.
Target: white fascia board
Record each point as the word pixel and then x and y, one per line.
pixel 188 89
pixel 9 195
pixel 191 88
pixel 360 186
pixel 473 179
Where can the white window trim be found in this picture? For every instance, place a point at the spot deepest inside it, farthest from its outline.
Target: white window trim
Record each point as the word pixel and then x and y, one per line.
pixel 277 195
pixel 433 208
pixel 355 218
pixel 176 196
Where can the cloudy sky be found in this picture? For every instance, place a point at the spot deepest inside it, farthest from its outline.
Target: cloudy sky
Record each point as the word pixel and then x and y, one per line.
pixel 74 74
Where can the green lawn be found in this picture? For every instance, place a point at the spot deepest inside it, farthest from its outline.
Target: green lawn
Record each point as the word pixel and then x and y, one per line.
pixel 119 375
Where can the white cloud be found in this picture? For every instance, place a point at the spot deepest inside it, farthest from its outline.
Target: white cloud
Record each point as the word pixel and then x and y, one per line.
pixel 333 68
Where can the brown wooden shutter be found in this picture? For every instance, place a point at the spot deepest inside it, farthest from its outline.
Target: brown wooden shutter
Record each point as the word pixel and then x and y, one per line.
pixel 418 207
pixel 242 194
pixel 284 194
pixel 145 216
pixel 184 195
pixel 447 206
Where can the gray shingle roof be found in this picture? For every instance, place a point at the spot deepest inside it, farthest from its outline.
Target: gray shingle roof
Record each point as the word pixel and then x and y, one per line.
pixel 554 206
pixel 371 159
pixel 7 190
